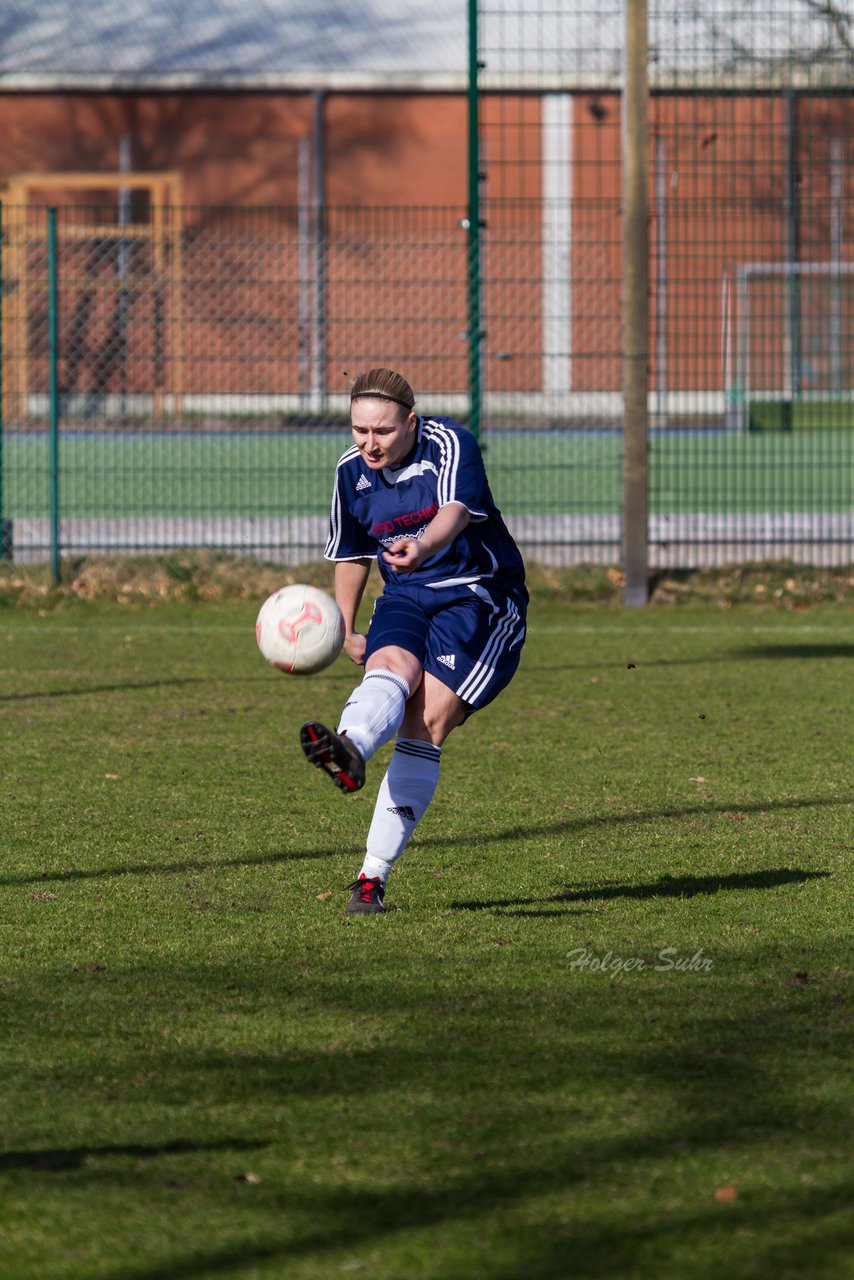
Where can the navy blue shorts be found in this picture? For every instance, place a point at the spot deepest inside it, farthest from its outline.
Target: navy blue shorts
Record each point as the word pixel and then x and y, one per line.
pixel 469 637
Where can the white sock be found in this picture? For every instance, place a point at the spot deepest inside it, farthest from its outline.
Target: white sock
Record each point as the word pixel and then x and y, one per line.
pixel 373 712
pixel 403 798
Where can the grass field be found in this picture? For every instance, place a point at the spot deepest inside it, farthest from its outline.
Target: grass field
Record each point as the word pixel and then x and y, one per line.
pixel 603 1032
pixel 104 474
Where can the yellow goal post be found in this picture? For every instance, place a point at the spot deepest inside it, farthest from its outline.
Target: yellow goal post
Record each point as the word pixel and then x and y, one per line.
pixel 24 193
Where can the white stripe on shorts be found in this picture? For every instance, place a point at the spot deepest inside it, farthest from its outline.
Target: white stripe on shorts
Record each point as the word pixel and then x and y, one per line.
pixel 484 669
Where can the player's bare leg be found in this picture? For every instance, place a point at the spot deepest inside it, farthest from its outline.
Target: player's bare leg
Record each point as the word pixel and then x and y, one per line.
pixel 432 712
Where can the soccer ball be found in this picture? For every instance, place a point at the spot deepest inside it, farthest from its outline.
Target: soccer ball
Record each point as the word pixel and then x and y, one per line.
pixel 300 629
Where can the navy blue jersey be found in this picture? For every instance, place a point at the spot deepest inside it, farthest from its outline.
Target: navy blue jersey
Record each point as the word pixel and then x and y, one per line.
pixel 372 509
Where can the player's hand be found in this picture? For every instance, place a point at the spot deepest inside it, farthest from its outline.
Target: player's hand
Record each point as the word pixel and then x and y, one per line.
pixel 405 555
pixel 354 647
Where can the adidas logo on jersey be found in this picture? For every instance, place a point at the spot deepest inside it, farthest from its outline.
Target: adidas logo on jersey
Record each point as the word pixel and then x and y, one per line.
pixel 447 660
pixel 363 483
pixel 406 811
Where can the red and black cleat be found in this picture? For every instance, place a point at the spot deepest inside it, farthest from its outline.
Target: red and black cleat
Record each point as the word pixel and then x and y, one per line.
pixel 366 897
pixel 332 753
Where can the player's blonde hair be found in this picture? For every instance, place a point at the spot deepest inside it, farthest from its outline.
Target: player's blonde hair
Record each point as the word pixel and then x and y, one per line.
pixel 383 384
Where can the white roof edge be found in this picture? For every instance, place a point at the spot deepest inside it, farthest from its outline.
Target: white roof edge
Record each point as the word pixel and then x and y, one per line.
pixel 210 82
pixel 762 79
pixel 817 79
pixel 758 80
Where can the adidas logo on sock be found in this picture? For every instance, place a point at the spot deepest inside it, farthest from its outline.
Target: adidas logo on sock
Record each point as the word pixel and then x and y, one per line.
pixel 405 811
pixel 447 660
pixel 363 483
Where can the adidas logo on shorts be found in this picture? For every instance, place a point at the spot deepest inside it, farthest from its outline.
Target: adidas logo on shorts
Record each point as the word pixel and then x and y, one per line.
pixel 363 483
pixel 406 811
pixel 448 660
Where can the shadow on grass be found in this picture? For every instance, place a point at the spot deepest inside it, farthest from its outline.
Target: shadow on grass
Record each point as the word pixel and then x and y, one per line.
pixel 168 868
pixel 796 651
pixel 598 1249
pixel 665 887
pixel 546 1126
pixel 760 652
pixel 62 1159
pixel 127 686
pixel 568 825
pixel 100 688
pixel 519 832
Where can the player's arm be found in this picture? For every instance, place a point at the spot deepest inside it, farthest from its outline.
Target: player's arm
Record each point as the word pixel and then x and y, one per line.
pixel 446 525
pixel 351 577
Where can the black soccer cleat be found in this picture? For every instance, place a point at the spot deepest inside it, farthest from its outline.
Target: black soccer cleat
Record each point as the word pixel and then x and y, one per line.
pixel 332 753
pixel 366 897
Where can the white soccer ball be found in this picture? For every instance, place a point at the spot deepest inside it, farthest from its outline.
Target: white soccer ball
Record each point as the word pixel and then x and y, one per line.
pixel 300 629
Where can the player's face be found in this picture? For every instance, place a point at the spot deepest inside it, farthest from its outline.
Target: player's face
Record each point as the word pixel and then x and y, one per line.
pixel 383 431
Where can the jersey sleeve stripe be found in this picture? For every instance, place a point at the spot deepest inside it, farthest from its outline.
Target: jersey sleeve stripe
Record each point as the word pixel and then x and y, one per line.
pixel 449 450
pixel 334 539
pixel 333 542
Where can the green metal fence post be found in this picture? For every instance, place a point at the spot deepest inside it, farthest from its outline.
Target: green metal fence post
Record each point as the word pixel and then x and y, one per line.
pixel 635 309
pixel 318 134
pixel 474 224
pixel 53 374
pixel 791 212
pixel 5 526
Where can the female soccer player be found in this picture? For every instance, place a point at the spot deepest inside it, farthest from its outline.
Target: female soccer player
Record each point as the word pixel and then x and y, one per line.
pixel 445 635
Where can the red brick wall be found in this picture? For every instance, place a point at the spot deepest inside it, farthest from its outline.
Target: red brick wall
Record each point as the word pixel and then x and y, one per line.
pixel 724 167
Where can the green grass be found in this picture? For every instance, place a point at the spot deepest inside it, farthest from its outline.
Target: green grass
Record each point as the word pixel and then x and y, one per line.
pixel 802 415
pixel 207 1070
pixel 111 474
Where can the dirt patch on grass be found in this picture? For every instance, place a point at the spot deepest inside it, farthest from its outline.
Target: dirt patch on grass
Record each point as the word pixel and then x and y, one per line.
pixel 783 585
pixel 209 575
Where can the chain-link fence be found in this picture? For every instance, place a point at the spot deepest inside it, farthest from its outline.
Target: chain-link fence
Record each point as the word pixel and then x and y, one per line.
pixel 750 276
pixel 177 376
pixel 184 380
